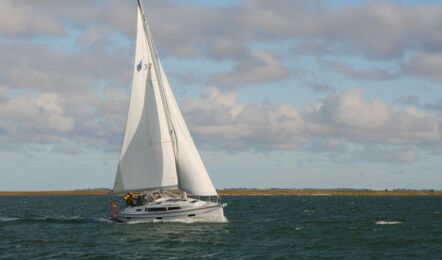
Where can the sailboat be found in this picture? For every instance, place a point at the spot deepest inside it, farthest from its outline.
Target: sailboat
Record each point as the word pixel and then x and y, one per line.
pixel 158 155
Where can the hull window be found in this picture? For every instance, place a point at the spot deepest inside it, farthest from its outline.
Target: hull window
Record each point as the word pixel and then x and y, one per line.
pixel 156 209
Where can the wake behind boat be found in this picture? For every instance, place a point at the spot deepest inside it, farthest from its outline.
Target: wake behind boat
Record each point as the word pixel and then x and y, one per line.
pixel 158 152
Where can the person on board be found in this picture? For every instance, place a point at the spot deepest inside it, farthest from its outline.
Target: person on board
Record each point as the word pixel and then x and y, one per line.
pixel 139 199
pixel 129 199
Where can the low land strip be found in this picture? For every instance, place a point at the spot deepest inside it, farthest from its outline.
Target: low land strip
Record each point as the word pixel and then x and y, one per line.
pixel 248 192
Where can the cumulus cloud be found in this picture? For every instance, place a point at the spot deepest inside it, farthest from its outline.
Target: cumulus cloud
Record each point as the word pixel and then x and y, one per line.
pixel 73 89
pixel 40 118
pixel 240 126
pixel 231 32
pixel 389 29
pixel 257 68
pixel 347 116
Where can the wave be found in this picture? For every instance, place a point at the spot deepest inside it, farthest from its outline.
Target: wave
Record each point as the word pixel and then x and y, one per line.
pixel 77 219
pixel 383 222
pixel 6 219
pixel 56 219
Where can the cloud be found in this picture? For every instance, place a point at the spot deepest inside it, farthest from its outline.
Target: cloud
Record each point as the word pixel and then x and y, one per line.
pixel 380 153
pixel 40 118
pixel 350 116
pixel 411 100
pixel 435 105
pixel 19 19
pixel 221 120
pixel 69 83
pixel 360 74
pixel 389 29
pixel 257 68
pixel 38 67
pixel 321 87
pixel 66 149
pixel 231 32
pixel 241 126
pixel 424 65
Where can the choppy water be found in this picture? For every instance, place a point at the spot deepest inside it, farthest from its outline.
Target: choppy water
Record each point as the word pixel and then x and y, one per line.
pixel 257 227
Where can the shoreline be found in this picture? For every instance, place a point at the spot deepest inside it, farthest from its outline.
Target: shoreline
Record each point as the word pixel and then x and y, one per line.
pixel 245 192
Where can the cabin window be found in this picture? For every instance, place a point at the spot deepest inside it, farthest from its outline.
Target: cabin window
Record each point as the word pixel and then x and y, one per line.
pixel 173 208
pixel 156 209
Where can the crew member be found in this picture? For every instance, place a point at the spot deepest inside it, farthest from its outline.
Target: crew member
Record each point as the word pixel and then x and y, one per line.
pixel 129 199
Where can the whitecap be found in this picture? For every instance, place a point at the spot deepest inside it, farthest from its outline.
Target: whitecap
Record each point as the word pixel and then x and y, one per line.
pixel 61 217
pixel 383 222
pixel 6 219
pixel 140 222
pixel 67 217
pixel 103 220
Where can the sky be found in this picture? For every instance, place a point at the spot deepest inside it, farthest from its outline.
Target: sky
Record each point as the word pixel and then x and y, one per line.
pixel 277 94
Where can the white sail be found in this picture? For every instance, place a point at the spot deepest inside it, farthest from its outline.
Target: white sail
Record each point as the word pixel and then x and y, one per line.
pixel 192 175
pixel 147 158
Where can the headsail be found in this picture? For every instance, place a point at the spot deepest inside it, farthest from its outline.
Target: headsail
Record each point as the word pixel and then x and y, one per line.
pixel 147 158
pixel 192 174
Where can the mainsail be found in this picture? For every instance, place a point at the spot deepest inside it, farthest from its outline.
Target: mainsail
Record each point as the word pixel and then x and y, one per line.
pixel 158 150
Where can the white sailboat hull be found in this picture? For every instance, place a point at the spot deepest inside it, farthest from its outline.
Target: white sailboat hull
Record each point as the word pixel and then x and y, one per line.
pixel 189 210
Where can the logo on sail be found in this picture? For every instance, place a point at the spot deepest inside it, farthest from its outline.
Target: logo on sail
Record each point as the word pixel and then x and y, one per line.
pixel 140 65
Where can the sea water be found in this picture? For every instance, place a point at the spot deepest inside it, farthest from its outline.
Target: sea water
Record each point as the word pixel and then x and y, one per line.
pixel 257 227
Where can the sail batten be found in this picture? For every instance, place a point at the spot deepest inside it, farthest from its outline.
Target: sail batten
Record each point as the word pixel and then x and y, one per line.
pixel 158 150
